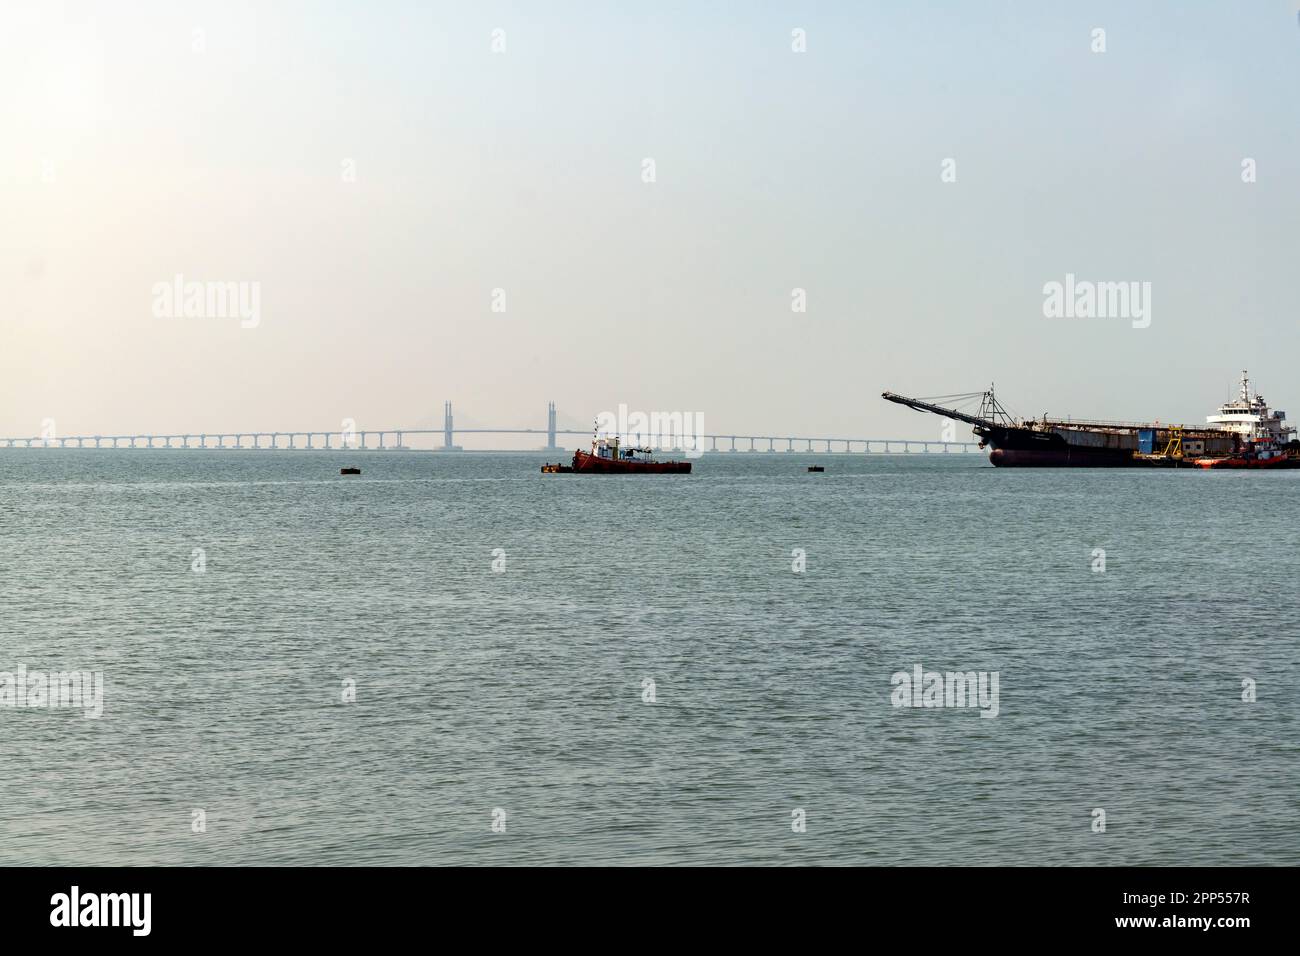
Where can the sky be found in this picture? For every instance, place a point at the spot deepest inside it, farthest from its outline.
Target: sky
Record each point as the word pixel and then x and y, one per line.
pixel 449 202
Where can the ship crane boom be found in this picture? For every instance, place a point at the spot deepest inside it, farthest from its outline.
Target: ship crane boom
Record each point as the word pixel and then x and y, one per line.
pixel 922 406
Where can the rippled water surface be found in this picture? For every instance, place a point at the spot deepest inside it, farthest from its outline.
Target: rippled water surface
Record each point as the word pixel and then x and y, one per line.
pixel 523 690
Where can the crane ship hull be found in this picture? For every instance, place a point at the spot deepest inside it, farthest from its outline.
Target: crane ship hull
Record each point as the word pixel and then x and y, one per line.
pixel 1245 433
pixel 1025 448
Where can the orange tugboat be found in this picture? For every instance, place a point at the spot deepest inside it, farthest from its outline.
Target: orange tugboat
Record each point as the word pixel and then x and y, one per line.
pixel 608 457
pixel 1255 453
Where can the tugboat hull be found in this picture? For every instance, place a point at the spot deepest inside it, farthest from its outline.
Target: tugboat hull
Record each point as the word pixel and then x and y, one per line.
pixel 1278 461
pixel 586 463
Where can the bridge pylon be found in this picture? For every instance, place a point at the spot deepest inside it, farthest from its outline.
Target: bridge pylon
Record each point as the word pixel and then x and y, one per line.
pixel 448 430
pixel 550 428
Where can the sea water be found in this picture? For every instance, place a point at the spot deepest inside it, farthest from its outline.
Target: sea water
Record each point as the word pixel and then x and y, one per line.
pixel 454 659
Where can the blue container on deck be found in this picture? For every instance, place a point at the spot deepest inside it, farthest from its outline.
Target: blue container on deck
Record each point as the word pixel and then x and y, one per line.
pixel 1146 441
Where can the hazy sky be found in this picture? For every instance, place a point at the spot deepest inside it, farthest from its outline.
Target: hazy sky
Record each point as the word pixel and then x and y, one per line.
pixel 139 141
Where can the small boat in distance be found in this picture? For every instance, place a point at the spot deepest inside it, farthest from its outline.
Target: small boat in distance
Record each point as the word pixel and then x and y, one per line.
pixel 609 457
pixel 349 471
pixel 816 467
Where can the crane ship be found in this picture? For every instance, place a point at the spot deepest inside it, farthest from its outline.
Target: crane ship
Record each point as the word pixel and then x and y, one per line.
pixel 1244 433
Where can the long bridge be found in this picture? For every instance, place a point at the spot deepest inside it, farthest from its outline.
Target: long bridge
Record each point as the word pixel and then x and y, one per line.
pixel 395 439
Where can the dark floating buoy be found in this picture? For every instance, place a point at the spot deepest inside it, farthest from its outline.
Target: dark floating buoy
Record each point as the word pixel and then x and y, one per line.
pixel 349 471
pixel 816 468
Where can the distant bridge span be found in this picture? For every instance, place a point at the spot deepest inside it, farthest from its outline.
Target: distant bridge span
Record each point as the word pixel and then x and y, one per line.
pixel 361 439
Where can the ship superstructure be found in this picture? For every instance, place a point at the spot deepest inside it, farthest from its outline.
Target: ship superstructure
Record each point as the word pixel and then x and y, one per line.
pixel 1250 417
